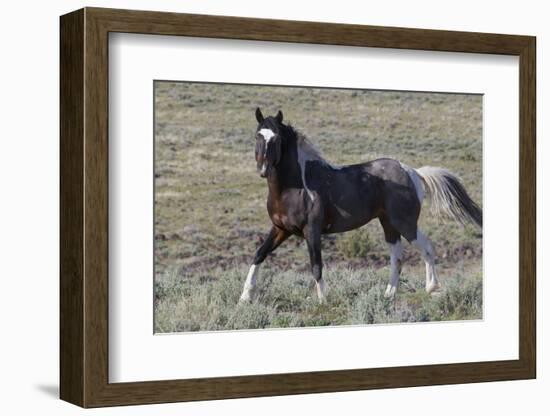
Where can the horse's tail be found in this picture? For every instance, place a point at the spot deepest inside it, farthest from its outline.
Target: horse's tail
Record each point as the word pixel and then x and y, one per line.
pixel 448 196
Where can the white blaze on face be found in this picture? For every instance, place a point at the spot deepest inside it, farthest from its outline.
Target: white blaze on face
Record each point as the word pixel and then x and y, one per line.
pixel 267 134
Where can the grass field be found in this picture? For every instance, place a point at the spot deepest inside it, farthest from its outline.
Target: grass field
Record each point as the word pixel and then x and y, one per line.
pixel 210 214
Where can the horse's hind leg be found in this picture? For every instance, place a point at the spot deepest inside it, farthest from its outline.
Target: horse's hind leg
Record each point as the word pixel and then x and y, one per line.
pixel 393 238
pixel 274 239
pixel 428 254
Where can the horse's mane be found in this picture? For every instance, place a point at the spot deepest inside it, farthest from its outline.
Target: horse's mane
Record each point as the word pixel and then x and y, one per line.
pixel 306 152
pixel 309 150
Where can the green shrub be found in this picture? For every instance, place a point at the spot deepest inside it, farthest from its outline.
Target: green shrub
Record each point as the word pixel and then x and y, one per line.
pixel 208 300
pixel 355 243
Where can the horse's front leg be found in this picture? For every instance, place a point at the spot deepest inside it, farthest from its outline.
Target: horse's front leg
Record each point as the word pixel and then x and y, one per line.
pixel 312 233
pixel 274 239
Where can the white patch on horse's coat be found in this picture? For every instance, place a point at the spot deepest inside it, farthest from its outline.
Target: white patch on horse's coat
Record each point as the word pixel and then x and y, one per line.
pixel 250 283
pixel 307 151
pixel 396 255
pixel 343 213
pixel 416 180
pixel 428 254
pixel 321 290
pixel 303 157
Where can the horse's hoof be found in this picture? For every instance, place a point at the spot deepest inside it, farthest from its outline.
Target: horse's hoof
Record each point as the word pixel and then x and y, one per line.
pixel 432 287
pixel 321 291
pixel 245 298
pixel 390 292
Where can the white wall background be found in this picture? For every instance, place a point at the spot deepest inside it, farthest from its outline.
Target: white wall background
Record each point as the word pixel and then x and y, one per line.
pixel 29 209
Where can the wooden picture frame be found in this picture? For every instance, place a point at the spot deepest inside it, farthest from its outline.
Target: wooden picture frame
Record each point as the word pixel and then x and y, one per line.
pixel 84 207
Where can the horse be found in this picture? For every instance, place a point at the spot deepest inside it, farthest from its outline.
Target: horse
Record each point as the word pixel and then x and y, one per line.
pixel 309 197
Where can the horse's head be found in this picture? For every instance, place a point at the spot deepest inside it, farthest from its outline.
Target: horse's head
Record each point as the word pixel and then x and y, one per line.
pixel 268 142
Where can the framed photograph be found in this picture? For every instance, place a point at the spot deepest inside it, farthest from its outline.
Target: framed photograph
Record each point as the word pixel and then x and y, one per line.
pixel 254 207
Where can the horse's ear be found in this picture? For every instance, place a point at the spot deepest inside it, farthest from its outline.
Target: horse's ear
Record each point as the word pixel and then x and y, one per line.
pixel 279 116
pixel 259 115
